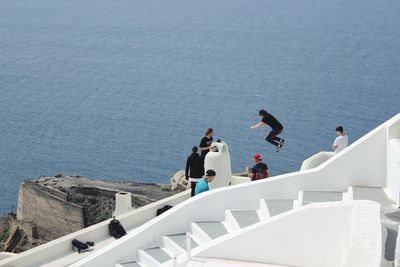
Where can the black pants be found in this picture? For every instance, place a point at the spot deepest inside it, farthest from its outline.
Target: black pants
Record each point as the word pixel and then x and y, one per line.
pixel 273 138
pixel 193 187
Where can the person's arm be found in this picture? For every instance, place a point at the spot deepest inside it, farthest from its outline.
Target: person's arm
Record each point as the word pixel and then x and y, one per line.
pixel 258 125
pixel 205 148
pixel 187 169
pixel 250 174
pixel 268 173
pixel 334 146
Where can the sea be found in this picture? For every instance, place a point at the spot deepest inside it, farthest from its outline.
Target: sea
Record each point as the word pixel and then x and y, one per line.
pixel 123 89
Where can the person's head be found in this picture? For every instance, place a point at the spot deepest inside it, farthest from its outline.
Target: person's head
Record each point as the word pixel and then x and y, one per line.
pixel 209 132
pixel 257 158
pixel 339 130
pixel 113 218
pixel 262 113
pixel 210 175
pixel 195 149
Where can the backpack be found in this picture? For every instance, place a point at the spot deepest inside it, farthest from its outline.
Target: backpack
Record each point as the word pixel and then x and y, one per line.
pixel 163 209
pixel 78 245
pixel 260 173
pixel 116 229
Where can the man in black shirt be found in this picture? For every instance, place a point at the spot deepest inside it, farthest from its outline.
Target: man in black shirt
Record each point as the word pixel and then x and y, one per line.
pixel 206 142
pixel 277 128
pixel 194 169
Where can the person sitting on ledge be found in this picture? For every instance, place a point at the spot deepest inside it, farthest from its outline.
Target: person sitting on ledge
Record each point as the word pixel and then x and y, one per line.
pixel 258 171
pixel 202 185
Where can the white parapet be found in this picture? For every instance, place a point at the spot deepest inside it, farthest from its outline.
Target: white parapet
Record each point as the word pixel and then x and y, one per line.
pixel 5 255
pixel 123 203
pixel 220 162
pixel 316 160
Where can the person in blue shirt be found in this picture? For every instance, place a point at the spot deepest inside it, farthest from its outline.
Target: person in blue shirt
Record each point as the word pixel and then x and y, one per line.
pixel 202 185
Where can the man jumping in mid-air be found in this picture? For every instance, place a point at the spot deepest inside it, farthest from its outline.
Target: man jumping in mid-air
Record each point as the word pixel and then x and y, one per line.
pixel 277 128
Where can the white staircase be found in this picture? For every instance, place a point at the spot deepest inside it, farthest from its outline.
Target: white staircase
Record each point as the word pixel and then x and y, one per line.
pixel 174 247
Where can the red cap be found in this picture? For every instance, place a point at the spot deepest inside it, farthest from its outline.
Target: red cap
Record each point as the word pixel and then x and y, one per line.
pixel 257 157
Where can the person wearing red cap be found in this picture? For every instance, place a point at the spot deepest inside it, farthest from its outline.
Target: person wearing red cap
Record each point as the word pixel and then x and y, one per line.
pixel 259 170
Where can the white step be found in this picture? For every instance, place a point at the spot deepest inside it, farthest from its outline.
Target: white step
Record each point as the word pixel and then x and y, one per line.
pixel 150 257
pixel 376 194
pixel 278 206
pixel 177 243
pixel 245 218
pixel 128 264
pixel 307 197
pixel 207 231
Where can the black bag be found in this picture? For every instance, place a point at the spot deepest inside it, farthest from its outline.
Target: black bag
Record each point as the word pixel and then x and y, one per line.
pixel 80 246
pixel 163 209
pixel 116 229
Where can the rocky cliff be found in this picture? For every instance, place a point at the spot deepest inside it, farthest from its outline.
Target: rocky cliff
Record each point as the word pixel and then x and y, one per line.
pixel 51 207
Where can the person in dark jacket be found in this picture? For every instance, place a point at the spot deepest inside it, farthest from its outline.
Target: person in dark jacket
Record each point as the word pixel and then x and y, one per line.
pixel 194 168
pixel 277 128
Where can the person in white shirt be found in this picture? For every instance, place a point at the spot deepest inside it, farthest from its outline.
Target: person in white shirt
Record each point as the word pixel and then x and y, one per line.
pixel 341 141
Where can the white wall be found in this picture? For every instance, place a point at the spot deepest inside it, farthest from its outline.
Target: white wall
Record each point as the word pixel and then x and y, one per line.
pixel 365 246
pixel 393 161
pixel 313 236
pixel 240 180
pixel 4 255
pixel 393 165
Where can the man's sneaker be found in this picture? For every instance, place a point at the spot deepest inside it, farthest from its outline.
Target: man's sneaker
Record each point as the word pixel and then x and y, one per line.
pixel 281 143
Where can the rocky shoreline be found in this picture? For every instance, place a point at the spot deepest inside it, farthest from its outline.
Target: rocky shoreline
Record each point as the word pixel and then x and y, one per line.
pixel 79 201
pixel 97 196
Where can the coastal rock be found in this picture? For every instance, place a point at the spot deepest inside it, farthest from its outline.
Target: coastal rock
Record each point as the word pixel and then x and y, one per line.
pixel 179 182
pixel 50 207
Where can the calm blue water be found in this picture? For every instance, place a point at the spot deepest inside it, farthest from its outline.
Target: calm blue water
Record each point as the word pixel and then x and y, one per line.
pixel 123 89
